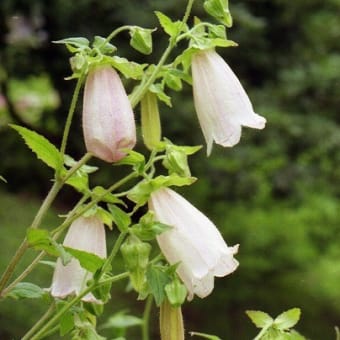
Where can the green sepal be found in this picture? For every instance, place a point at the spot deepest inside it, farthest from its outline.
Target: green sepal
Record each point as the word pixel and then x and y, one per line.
pixel 147 229
pixel 141 39
pixel 176 293
pixel 141 192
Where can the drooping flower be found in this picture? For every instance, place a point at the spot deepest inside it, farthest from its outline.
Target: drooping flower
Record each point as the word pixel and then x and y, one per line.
pixel 193 241
pixel 108 121
pixel 221 103
pixel 87 234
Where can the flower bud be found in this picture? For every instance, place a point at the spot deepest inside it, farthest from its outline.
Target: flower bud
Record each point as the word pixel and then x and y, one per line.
pixel 136 258
pixel 151 125
pixel 176 293
pixel 108 121
pixel 171 322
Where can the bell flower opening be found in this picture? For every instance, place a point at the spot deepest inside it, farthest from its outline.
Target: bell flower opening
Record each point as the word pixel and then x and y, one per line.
pixel 108 120
pixel 87 234
pixel 193 241
pixel 221 103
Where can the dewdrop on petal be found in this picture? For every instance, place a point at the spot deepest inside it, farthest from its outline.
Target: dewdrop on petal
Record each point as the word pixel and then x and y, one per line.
pixel 87 234
pixel 193 241
pixel 221 103
pixel 108 120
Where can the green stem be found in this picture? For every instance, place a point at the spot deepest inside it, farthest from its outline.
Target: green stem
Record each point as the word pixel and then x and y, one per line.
pixel 71 303
pixel 92 203
pixel 40 322
pixel 263 331
pixel 140 91
pixel 70 114
pixel 57 185
pixel 114 251
pixel 24 273
pixel 146 318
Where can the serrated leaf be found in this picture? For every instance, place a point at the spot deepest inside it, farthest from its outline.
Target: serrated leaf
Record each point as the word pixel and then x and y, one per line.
pixel 172 28
pixel 88 261
pixel 120 218
pixel 44 150
pixel 287 319
pixel 26 290
pixel 260 319
pixel 157 280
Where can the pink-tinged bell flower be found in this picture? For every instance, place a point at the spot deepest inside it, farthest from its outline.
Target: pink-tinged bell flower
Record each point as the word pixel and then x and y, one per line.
pixel 221 103
pixel 108 121
pixel 193 241
pixel 87 234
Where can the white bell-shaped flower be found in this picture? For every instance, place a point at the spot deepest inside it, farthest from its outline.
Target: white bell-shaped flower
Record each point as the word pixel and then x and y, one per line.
pixel 87 234
pixel 221 103
pixel 108 121
pixel 193 241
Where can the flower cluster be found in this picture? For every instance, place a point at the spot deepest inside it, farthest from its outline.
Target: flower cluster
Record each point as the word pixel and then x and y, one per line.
pixel 192 243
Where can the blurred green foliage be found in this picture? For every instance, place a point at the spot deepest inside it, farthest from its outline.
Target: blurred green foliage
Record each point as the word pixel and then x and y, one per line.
pixel 276 193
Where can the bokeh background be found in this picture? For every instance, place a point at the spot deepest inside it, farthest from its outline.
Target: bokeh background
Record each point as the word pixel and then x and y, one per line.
pixel 276 193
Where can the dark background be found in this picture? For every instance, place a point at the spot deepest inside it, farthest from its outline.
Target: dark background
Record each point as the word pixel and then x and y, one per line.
pixel 276 193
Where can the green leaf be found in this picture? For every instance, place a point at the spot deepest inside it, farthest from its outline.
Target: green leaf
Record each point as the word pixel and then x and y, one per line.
pixel 219 10
pixel 104 216
pixel 120 218
pixel 40 239
pixel 44 150
pixel 172 28
pixel 88 261
pixel 66 323
pixel 141 39
pixel 260 319
pixel 157 280
pixel 288 319
pixel 122 320
pixel 3 179
pixel 26 290
pixel 205 336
